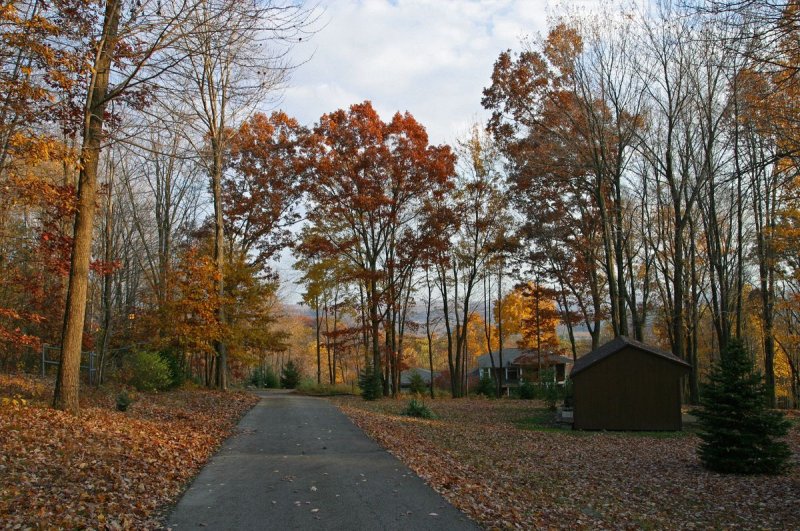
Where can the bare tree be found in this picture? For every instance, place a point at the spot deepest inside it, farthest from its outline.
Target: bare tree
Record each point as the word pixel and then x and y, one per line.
pixel 236 60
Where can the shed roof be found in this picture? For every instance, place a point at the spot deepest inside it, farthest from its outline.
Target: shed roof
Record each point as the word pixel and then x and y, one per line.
pixel 617 344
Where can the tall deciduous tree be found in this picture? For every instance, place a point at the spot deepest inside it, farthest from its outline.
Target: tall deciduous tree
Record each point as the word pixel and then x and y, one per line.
pixel 131 40
pixel 371 183
pixel 235 60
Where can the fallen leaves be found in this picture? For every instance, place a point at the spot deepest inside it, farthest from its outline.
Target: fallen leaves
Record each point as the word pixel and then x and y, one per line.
pixel 105 468
pixel 504 477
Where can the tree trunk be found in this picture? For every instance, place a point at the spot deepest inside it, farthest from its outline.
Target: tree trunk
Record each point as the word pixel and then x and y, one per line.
pixel 67 381
pixel 219 261
pixel 428 329
pixel 319 353
pixel 108 277
pixel 500 330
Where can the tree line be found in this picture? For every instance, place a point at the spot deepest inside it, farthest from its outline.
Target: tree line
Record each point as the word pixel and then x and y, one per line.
pixel 636 177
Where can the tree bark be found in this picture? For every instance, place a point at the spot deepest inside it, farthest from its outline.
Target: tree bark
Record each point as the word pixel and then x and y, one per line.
pixel 67 381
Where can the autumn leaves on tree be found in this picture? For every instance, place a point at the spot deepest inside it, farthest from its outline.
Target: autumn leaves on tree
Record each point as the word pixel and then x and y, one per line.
pixel 646 156
pixel 637 176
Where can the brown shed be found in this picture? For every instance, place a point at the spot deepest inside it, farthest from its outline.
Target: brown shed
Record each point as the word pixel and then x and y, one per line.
pixel 627 385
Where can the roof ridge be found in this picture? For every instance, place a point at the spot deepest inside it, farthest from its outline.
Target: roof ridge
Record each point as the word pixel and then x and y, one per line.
pixel 613 346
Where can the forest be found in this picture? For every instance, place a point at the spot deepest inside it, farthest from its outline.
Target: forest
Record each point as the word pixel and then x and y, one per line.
pixel 636 175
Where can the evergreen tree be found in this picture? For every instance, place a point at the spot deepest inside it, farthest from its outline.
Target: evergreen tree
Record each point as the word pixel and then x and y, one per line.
pixel 417 383
pixel 290 375
pixel 740 434
pixel 486 386
pixel 370 383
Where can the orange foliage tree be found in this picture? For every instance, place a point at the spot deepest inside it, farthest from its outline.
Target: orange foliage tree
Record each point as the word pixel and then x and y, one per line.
pixel 371 183
pixel 191 311
pixel 530 311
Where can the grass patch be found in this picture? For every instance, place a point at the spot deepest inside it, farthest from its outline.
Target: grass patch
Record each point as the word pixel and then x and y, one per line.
pixel 546 421
pixel 311 388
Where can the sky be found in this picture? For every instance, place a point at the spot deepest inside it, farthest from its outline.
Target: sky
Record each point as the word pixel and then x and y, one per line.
pixel 431 58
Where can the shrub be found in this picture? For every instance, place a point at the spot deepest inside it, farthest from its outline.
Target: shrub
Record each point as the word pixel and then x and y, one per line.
pixel 290 375
pixel 549 389
pixel 150 372
pixel 123 401
pixel 417 408
pixel 177 370
pixel 370 383
pixel 527 391
pixel 417 384
pixel 569 396
pixel 739 434
pixel 486 387
pixel 310 387
pixel 265 377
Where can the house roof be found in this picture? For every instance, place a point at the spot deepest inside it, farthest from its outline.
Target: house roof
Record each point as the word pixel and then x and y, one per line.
pixel 548 358
pixel 405 376
pixel 521 356
pixel 614 346
pixel 509 355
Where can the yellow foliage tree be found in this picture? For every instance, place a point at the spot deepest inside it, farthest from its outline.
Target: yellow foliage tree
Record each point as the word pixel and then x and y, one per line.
pixel 530 311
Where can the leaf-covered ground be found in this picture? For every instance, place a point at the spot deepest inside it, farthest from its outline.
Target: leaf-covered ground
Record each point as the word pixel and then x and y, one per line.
pixel 104 469
pixel 479 457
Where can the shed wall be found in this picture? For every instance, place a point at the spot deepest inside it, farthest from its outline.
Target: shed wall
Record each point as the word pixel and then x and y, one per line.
pixel 629 390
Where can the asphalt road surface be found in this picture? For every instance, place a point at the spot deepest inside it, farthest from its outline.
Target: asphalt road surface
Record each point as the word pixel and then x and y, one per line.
pixel 296 462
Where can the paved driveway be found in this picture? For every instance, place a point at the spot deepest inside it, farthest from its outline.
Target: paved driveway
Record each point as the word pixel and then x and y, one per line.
pixel 298 463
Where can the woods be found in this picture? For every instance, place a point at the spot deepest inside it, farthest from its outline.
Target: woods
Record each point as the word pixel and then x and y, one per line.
pixel 185 228
pixel 636 176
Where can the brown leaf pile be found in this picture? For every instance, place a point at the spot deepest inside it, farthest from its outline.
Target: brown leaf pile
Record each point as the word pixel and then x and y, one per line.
pixel 104 469
pixel 505 477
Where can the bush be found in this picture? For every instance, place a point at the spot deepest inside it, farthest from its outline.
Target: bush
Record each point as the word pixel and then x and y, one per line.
pixel 311 387
pixel 417 384
pixel 739 433
pixel 265 377
pixel 486 387
pixel 549 389
pixel 175 362
pixel 527 391
pixel 123 401
pixel 290 375
pixel 417 408
pixel 150 372
pixel 370 383
pixel 569 396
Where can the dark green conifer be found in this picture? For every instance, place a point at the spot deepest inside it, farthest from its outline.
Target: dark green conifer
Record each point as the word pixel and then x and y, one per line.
pixel 290 375
pixel 370 383
pixel 739 433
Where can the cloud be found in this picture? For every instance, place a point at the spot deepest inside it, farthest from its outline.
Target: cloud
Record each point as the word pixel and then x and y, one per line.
pixel 432 58
pixel 429 57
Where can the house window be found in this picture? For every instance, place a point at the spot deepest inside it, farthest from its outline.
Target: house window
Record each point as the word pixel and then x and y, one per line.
pixel 512 374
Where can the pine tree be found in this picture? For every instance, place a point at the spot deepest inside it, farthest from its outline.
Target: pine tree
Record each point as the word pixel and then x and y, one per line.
pixel 416 383
pixel 370 383
pixel 290 375
pixel 740 434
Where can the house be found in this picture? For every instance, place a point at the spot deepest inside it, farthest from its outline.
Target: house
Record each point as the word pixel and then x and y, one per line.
pixel 522 365
pixel 405 377
pixel 627 385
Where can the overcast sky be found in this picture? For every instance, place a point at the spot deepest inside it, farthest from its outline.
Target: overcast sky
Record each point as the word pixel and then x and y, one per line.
pixel 429 57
